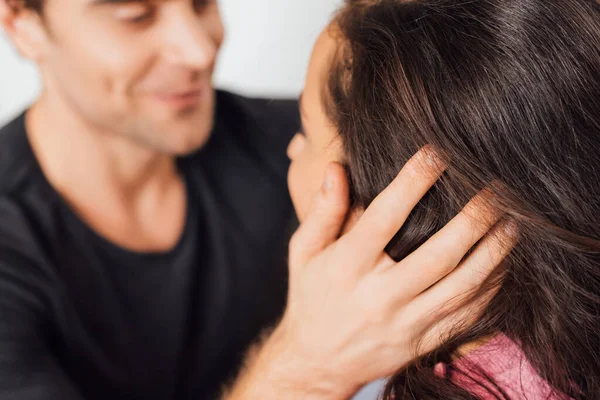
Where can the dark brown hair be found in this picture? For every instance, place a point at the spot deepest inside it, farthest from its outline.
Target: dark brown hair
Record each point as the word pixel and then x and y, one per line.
pixel 509 92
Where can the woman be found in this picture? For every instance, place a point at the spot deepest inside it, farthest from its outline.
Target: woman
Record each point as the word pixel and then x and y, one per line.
pixel 508 92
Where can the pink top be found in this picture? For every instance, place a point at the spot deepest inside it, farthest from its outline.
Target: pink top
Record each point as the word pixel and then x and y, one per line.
pixel 504 362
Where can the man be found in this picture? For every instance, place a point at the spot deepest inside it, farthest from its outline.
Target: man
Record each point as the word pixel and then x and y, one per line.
pixel 142 214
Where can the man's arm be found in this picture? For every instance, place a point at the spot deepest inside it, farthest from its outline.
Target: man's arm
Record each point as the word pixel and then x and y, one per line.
pixel 353 314
pixel 272 373
pixel 28 369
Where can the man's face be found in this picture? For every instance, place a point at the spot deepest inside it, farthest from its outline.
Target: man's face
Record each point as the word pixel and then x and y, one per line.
pixel 138 69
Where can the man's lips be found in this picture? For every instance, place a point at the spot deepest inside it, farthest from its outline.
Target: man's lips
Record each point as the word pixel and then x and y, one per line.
pixel 181 99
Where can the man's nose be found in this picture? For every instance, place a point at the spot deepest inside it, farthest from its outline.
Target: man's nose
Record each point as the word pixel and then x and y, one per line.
pixel 189 43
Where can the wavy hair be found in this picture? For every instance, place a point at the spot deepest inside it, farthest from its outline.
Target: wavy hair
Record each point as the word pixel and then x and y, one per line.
pixel 509 92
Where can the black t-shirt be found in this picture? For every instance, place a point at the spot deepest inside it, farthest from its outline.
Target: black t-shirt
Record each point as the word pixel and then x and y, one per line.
pixel 81 318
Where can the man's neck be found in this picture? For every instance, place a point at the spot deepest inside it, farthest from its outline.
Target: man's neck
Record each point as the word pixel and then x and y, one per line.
pixel 62 139
pixel 114 184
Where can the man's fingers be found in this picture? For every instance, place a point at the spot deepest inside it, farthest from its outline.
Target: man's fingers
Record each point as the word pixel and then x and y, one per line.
pixel 388 212
pixel 471 274
pixel 439 310
pixel 455 321
pixel 476 268
pixel 443 251
pixel 325 219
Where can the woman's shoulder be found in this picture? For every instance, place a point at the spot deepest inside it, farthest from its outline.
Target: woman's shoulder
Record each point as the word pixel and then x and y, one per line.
pixel 504 362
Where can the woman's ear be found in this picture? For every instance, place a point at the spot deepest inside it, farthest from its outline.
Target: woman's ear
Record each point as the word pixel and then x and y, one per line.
pixel 25 28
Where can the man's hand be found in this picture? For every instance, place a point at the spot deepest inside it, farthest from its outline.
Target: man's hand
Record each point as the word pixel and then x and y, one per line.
pixel 354 315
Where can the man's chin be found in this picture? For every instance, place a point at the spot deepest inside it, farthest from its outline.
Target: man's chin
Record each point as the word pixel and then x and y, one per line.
pixel 186 145
pixel 185 136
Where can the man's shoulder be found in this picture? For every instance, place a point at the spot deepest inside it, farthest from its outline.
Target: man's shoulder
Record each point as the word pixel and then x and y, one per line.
pixel 16 158
pixel 262 128
pixel 17 165
pixel 270 114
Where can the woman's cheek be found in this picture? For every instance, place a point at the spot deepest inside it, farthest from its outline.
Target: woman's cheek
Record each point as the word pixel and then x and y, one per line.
pixel 295 187
pixel 304 180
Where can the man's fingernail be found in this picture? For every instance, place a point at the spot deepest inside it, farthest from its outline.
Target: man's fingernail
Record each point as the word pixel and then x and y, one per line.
pixel 511 228
pixel 431 156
